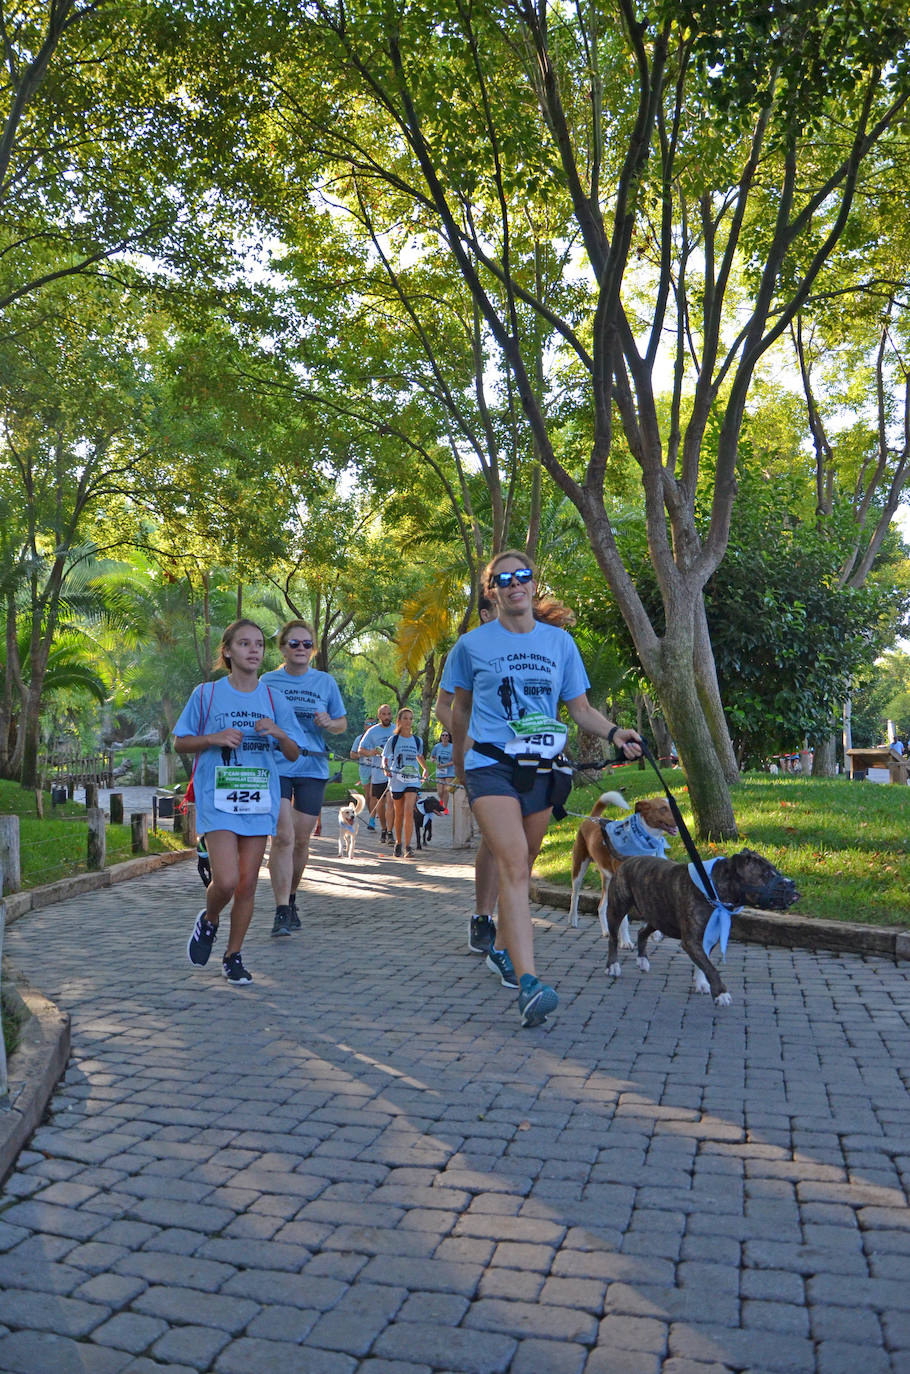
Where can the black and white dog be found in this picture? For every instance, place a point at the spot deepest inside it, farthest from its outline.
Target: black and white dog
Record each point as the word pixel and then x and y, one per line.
pixel 425 808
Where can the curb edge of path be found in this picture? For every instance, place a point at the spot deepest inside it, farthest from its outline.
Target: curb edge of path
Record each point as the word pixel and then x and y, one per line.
pixel 770 928
pixel 37 1064
pixel 35 1068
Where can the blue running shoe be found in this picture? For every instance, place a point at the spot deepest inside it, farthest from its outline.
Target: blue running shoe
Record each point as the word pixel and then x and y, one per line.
pixel 498 961
pixel 371 823
pixel 535 1000
pixel 199 945
pixel 234 972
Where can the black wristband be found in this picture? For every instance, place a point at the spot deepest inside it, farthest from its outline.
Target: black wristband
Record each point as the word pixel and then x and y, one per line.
pixel 611 732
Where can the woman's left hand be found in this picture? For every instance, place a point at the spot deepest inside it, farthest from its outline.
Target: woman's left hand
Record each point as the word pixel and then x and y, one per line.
pixel 629 741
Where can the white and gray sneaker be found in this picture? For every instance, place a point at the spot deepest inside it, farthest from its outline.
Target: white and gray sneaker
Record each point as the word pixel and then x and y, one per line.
pixel 498 961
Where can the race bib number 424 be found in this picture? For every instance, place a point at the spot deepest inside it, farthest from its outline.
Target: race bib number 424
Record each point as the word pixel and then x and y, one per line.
pixel 242 791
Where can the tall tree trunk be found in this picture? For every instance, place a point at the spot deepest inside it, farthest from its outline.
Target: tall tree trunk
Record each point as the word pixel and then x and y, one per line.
pixel 709 695
pixel 824 757
pixel 30 732
pixel 707 785
pixel 660 734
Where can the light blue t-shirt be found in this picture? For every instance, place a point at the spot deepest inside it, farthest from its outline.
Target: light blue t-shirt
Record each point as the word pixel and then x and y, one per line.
pixel 401 756
pixel 308 693
pixel 513 676
pixel 375 738
pixel 442 753
pixel 363 765
pixel 445 681
pixel 228 796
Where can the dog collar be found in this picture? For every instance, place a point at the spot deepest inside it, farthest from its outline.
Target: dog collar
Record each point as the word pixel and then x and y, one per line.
pixel 630 838
pixel 717 931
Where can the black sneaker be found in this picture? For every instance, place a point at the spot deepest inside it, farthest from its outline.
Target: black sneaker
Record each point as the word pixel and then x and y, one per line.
pixel 498 961
pixel 383 837
pixel 398 851
pixel 408 853
pixel 282 922
pixel 535 1000
pixel 481 934
pixel 295 919
pixel 199 945
pixel 233 970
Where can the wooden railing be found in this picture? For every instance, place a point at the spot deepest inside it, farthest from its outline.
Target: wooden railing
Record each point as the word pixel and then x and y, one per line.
pixel 96 768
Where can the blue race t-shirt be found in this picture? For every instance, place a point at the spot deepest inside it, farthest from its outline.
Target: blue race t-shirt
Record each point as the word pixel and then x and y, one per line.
pixel 442 753
pixel 375 738
pixel 363 765
pixel 308 693
pixel 517 681
pixel 401 756
pixel 237 789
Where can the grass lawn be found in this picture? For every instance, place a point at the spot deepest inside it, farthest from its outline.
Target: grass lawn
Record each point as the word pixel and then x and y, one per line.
pixel 56 847
pixel 845 844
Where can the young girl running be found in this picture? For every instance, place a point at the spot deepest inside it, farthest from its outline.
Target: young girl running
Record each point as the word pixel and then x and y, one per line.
pixel 403 765
pixel 318 706
pixel 441 753
pixel 237 728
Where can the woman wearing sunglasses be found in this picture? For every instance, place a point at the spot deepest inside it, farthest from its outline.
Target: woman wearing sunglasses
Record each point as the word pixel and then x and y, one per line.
pixel 509 677
pixel 317 703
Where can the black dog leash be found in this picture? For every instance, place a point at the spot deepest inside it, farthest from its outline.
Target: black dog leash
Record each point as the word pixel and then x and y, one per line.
pixel 687 839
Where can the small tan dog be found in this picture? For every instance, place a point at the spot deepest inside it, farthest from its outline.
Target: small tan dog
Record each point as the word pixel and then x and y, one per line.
pixel 347 824
pixel 607 843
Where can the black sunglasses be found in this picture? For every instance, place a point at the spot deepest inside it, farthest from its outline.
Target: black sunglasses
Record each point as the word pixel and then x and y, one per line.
pixel 504 579
pixel 299 643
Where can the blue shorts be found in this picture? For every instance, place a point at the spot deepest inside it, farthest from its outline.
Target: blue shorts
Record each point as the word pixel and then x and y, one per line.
pixel 306 794
pixel 496 781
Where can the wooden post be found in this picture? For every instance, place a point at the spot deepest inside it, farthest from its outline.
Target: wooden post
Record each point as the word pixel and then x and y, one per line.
pixel 97 838
pixel 178 822
pixel 91 796
pixel 39 803
pixel 189 826
pixel 462 820
pixel 9 852
pixel 70 788
pixel 139 826
pixel 116 808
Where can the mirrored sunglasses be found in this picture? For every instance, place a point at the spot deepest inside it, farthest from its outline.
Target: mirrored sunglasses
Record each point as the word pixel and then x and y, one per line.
pixel 299 643
pixel 504 579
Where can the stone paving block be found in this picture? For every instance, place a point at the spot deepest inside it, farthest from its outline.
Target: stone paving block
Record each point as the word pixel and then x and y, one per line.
pixel 129 1331
pixel 39 1352
pixel 183 1271
pixel 775 1316
pixel 196 1346
pixel 275 1286
pixel 532 1319
pixel 766 1350
pixel 38 1273
pixel 271 1254
pixel 439 1309
pixel 358 1318
pixel 556 1357
pixel 842 1357
pixel 276 1323
pixel 605 1360
pixel 457 1351
pixel 279 1357
pixel 35 1215
pixel 50 1312
pixel 227 1313
pixel 433 1276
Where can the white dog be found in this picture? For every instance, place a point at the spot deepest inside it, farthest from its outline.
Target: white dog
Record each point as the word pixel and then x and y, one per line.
pixel 347 824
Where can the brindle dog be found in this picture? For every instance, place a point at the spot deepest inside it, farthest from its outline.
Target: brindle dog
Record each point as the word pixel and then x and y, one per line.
pixel 662 895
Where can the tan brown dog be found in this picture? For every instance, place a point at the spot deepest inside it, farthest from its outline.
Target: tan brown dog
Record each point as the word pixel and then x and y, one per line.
pixel 607 844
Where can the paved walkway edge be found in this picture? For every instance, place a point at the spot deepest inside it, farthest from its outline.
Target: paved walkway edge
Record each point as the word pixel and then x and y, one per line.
pixel 18 903
pixel 771 928
pixel 34 1071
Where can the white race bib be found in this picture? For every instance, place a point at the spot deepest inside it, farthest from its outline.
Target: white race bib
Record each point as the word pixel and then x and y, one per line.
pixel 242 791
pixel 537 734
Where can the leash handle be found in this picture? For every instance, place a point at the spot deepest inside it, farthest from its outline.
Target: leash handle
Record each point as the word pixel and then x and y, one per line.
pixel 681 826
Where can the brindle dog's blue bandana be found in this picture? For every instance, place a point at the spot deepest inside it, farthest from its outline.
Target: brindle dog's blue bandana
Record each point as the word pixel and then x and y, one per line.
pixel 717 931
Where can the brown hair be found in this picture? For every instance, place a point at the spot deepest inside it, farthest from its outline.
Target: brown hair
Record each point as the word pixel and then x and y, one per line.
pixel 285 631
pixel 486 576
pixel 230 634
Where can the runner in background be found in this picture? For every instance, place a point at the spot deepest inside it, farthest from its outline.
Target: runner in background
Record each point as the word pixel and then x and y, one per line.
pixel 371 747
pixel 441 754
pixel 364 772
pixel 405 768
pixel 239 730
pixel 318 706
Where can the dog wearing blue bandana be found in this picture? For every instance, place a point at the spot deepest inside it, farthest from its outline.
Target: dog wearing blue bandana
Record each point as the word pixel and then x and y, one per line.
pixel 645 833
pixel 670 897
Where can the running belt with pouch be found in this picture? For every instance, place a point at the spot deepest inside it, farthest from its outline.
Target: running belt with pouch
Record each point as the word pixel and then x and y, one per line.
pixel 526 767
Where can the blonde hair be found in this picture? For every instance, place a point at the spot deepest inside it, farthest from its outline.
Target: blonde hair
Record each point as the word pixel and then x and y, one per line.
pixel 285 631
pixel 487 574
